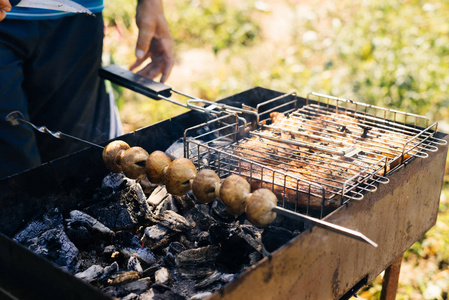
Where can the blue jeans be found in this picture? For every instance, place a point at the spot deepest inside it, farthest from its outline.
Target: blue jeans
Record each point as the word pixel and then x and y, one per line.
pixel 49 72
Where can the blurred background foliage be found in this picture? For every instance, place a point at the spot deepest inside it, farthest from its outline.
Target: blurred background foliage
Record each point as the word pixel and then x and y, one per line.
pixel 389 53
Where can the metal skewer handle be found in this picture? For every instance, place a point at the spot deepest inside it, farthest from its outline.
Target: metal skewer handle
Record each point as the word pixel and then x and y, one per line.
pixel 16 118
pixel 326 225
pixel 157 91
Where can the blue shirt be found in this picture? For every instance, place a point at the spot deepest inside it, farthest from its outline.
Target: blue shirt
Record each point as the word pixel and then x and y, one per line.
pixel 24 13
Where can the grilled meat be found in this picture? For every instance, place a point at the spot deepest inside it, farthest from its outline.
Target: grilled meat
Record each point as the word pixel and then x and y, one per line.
pixel 315 158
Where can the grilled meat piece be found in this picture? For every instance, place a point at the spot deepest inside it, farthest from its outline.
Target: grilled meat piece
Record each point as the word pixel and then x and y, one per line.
pixel 314 157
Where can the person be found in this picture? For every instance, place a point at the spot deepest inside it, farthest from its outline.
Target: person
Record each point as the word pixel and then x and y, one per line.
pixel 49 63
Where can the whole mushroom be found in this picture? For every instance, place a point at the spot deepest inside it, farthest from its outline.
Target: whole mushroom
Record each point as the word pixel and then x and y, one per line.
pixel 156 166
pixel 259 207
pixel 204 185
pixel 111 155
pixel 232 192
pixel 178 176
pixel 133 161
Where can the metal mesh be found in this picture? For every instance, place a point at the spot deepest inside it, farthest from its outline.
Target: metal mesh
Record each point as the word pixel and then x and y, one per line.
pixel 314 154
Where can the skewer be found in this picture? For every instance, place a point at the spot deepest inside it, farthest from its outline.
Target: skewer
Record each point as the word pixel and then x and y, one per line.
pixel 327 225
pixel 16 118
pixel 180 176
pixel 140 162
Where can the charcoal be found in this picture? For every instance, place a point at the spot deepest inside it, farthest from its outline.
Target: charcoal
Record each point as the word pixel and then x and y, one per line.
pixel 172 203
pixel 147 186
pixel 157 196
pixel 200 296
pixel 160 247
pixel 254 257
pixel 274 237
pixel 127 245
pixel 197 256
pixel 226 278
pixel 126 239
pixel 235 248
pixel 123 277
pixel 195 238
pixel 194 272
pixel 116 180
pixel 130 286
pixel 172 251
pixel 55 246
pixel 90 257
pixel 135 201
pixel 131 296
pixel 185 202
pixel 173 221
pixel 212 278
pixel 162 276
pixel 134 265
pixel 37 227
pixel 201 216
pixel 109 251
pixel 202 239
pixel 112 214
pixel 163 292
pixel 148 295
pixel 96 226
pixel 111 291
pixel 253 236
pixel 144 255
pixel 91 273
pixel 137 286
pixel 162 206
pixel 183 239
pixel 108 271
pixel 156 237
pixel 80 233
pixel 125 210
pixel 218 211
pixel 153 234
pixel 151 270
pixel 84 230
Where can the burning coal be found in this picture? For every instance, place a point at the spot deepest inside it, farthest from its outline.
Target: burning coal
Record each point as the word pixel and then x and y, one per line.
pixel 133 240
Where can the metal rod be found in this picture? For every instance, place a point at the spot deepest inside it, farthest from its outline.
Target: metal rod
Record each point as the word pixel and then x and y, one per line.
pixel 16 117
pixel 326 225
pixel 299 144
pixel 388 125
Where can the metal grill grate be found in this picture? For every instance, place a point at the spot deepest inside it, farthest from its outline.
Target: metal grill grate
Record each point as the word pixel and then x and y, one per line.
pixel 314 154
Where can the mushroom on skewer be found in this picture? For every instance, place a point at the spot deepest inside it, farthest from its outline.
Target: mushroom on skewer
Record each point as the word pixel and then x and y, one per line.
pixel 233 191
pixel 133 162
pixel 112 153
pixel 206 186
pixel 156 166
pixel 180 175
pixel 259 207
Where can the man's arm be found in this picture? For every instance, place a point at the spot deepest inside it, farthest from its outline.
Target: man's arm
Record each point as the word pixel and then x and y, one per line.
pixel 154 40
pixel 4 7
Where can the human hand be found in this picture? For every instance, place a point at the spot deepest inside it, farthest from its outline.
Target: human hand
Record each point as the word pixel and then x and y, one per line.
pixel 4 7
pixel 154 40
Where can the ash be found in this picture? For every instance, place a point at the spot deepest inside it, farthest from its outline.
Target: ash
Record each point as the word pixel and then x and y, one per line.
pixel 133 241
